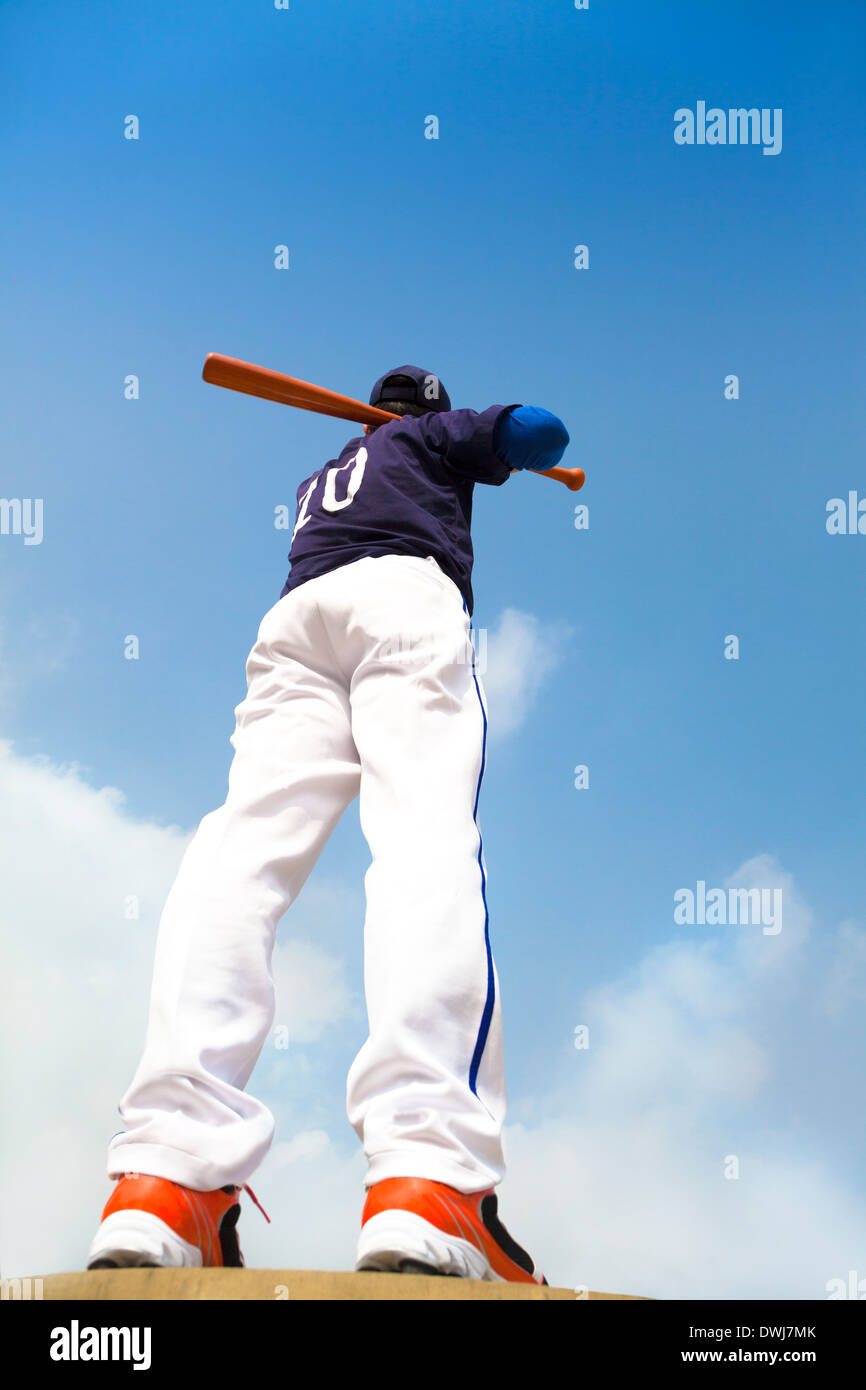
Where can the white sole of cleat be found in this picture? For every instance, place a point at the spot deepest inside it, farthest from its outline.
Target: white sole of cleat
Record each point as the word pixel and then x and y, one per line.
pixel 391 1237
pixel 134 1238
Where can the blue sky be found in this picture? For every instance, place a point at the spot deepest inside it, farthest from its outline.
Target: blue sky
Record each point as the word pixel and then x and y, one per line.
pixel 707 518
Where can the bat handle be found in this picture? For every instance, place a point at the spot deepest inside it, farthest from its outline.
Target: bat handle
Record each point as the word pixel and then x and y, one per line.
pixel 573 478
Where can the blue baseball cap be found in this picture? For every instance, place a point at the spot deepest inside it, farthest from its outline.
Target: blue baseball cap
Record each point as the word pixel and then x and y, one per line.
pixel 413 385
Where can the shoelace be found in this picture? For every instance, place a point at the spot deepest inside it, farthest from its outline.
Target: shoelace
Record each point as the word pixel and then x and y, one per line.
pixel 257 1202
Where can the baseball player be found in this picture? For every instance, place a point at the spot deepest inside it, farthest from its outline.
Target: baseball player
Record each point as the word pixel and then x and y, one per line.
pixel 362 682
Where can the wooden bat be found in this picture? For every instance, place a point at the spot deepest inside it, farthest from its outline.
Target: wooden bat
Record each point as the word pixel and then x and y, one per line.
pixel 236 375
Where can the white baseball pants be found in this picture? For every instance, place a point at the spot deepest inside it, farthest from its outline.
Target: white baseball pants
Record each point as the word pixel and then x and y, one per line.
pixel 361 681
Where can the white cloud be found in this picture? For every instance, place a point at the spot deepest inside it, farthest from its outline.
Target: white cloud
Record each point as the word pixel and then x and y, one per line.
pixel 686 1070
pixel 315 1199
pixel 846 980
pixel 311 989
pixel 520 653
pixel 639 1204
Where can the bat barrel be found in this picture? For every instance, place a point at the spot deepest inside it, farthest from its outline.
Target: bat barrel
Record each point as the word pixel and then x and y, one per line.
pixel 251 380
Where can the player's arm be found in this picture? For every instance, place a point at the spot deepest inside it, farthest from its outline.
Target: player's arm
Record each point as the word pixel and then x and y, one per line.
pixel 488 446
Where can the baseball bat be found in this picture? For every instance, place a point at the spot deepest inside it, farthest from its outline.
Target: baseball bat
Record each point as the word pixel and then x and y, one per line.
pixel 236 375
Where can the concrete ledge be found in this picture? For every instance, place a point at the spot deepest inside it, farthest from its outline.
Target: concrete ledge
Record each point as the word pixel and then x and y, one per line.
pixel 274 1285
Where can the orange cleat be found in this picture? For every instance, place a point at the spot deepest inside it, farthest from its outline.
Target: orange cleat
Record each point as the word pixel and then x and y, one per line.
pixel 417 1226
pixel 151 1221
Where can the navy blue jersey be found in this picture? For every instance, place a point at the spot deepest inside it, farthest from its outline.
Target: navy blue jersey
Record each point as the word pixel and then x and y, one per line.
pixel 405 489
